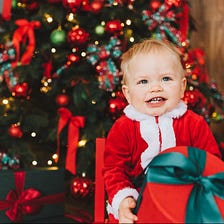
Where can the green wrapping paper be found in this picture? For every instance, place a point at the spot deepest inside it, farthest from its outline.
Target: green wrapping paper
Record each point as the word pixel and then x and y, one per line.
pixel 35 195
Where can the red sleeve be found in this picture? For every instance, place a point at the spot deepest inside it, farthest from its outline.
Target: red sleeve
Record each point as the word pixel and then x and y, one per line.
pixel 194 131
pixel 118 157
pixel 204 139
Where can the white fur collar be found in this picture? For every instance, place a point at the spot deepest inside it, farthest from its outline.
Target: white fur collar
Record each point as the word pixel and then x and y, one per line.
pixel 150 130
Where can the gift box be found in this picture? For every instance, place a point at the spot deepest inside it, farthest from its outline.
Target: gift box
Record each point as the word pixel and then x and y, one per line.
pixel 183 185
pixel 32 196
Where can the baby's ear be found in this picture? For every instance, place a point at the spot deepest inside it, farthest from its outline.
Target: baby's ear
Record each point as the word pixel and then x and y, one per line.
pixel 125 91
pixel 184 85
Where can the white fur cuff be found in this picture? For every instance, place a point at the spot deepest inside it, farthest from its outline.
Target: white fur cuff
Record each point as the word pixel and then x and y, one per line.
pixel 119 196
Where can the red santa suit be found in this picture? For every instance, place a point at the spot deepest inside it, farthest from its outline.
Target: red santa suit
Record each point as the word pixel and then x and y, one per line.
pixel 136 138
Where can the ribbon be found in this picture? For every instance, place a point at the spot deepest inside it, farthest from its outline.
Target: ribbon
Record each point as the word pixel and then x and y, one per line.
pixel 22 202
pixel 25 32
pixel 108 75
pixel 184 21
pixel 161 23
pixel 97 53
pixel 6 72
pixel 47 69
pixel 5 9
pixel 101 58
pixel 175 168
pixel 74 123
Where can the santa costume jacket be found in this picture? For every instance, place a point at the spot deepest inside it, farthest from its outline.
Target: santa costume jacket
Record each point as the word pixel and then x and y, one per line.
pixel 136 138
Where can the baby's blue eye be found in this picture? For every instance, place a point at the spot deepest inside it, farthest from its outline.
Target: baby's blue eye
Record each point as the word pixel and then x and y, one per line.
pixel 143 81
pixel 166 78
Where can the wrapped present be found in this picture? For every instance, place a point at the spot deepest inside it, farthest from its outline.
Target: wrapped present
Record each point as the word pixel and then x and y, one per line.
pixel 183 185
pixel 32 196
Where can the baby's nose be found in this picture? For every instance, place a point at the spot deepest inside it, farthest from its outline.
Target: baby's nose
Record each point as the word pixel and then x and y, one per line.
pixel 155 87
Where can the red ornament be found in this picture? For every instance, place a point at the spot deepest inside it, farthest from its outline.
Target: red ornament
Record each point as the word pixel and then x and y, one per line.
pixel 85 5
pixel 117 104
pixel 113 27
pixel 73 5
pixel 120 94
pixel 155 4
pixel 103 53
pixel 78 36
pixel 81 187
pixel 194 98
pixel 177 3
pixel 96 6
pixel 33 6
pixel 15 131
pixel 21 90
pixel 73 58
pixel 62 100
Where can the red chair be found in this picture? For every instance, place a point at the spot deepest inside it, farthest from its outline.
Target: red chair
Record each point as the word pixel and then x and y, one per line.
pixel 99 202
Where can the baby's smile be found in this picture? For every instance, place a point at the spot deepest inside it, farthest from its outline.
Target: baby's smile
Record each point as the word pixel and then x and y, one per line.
pixel 155 100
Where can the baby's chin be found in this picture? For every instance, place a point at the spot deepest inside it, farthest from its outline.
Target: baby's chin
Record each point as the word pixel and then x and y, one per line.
pixel 155 113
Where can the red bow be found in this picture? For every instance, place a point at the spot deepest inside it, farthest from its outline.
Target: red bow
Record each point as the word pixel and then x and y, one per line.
pixel 21 34
pixel 6 9
pixel 21 202
pixel 74 123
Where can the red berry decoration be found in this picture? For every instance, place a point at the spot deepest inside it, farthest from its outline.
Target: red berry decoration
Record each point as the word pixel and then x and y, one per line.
pixel 81 187
pixel 33 6
pixel 62 100
pixel 113 27
pixel 15 131
pixel 21 90
pixel 73 58
pixel 194 98
pixel 78 36
pixel 117 104
pixel 73 5
pixel 155 4
pixel 96 6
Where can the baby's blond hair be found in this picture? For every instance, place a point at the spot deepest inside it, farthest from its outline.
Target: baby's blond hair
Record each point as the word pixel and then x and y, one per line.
pixel 147 46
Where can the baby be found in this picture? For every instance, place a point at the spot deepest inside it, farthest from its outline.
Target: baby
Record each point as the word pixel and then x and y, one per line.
pixel 155 119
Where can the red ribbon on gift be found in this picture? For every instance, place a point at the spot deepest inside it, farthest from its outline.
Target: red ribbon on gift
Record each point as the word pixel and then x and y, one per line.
pixel 21 202
pixel 24 33
pixel 74 123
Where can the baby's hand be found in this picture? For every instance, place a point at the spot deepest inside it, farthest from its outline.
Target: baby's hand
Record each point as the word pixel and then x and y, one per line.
pixel 125 211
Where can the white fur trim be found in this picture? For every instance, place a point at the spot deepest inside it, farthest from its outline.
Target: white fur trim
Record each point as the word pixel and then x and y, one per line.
pixel 150 133
pixel 178 111
pixel 167 132
pixel 119 196
pixel 150 130
pixel 109 209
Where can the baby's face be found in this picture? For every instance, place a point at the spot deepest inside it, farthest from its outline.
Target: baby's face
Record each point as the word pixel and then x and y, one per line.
pixel 154 84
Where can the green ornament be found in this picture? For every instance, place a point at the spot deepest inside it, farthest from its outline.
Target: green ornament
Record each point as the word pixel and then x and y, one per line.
pixel 99 30
pixel 14 4
pixel 57 37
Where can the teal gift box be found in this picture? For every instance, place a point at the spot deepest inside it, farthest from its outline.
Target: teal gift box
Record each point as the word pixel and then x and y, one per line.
pixel 32 196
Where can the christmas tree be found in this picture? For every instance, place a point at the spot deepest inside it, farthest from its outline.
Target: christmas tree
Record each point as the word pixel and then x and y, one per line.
pixel 60 78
